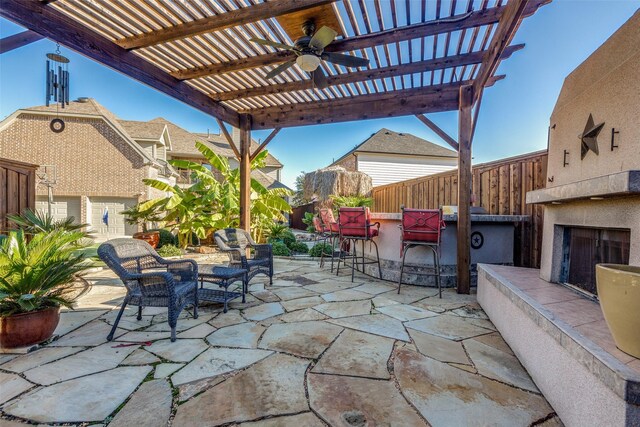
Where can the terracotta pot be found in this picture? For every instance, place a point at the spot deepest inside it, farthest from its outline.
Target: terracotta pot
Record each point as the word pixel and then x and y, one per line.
pixel 619 294
pixel 25 329
pixel 151 237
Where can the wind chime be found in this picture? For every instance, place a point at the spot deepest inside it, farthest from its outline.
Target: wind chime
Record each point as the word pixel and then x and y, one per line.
pixel 57 85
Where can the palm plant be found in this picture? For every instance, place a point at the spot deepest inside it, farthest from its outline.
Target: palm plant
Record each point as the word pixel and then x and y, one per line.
pixel 41 272
pixel 33 222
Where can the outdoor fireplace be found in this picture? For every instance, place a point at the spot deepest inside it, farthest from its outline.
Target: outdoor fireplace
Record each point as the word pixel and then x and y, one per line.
pixel 584 247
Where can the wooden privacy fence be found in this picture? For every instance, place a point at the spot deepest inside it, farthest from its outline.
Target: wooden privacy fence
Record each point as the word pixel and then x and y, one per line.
pixel 297 215
pixel 499 187
pixel 17 189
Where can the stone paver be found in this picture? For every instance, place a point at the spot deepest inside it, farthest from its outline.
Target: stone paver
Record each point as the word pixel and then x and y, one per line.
pixel 290 293
pixel 404 312
pixel 12 385
pixel 306 339
pixel 266 296
pixel 39 357
pixel 447 396
pixel 448 326
pixel 199 331
pixel 143 336
pixel 329 286
pixel 217 361
pixel 438 348
pixel 302 420
pixel 357 354
pixel 336 310
pixel 304 315
pixel 301 303
pixel 140 357
pixel 378 324
pixel 243 335
pixel 375 288
pixel 85 362
pixel 70 320
pixel 410 294
pixel 92 334
pixel 90 398
pixel 495 340
pixel 184 350
pixel 345 295
pixel 272 387
pixel 383 302
pixel 150 406
pixel 163 370
pixel 350 401
pixel 263 311
pixel 496 364
pixel 231 317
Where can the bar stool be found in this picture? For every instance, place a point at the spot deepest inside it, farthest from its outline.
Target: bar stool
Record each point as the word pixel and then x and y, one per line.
pixel 321 236
pixel 332 230
pixel 421 227
pixel 355 225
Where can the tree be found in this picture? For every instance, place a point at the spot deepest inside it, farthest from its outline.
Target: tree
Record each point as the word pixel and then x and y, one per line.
pixel 298 195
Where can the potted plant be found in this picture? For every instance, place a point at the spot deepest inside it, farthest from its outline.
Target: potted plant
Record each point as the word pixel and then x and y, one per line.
pixel 137 215
pixel 619 294
pixel 37 277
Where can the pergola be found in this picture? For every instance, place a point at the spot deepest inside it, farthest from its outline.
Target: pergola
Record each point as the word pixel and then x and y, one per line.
pixel 424 57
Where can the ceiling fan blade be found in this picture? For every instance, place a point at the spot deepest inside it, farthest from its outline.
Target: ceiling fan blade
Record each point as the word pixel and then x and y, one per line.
pixel 319 79
pixel 280 68
pixel 345 60
pixel 272 44
pixel 322 38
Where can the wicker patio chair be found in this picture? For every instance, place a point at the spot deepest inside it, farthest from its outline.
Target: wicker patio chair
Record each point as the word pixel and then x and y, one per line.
pixel 235 242
pixel 151 280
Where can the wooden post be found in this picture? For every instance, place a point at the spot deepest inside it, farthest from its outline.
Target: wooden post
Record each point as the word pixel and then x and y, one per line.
pixel 245 172
pixel 465 178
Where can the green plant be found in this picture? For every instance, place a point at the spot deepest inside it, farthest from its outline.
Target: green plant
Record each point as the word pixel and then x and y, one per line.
pixel 166 237
pixel 276 231
pixel 298 195
pixel 33 222
pixel 308 220
pixel 318 248
pixel 40 273
pixel 299 247
pixel 169 250
pixel 136 215
pixel 351 201
pixel 280 249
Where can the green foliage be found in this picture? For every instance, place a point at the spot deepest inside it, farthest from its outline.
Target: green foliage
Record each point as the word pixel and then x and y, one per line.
pixel 38 222
pixel 166 237
pixel 351 201
pixel 280 249
pixel 40 273
pixel 308 220
pixel 169 250
pixel 299 247
pixel 135 215
pixel 298 194
pixel 276 231
pixel 213 201
pixel 318 248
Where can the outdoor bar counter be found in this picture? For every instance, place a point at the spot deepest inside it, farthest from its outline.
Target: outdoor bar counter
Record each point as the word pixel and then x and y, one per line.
pixel 492 242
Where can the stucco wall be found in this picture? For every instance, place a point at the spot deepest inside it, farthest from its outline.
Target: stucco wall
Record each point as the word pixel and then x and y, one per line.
pixel 91 158
pixel 606 85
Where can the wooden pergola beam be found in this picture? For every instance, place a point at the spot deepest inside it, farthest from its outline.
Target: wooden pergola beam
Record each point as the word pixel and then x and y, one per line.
pixel 16 41
pixel 430 99
pixel 442 134
pixel 54 25
pixel 245 172
pixel 367 75
pixel 228 137
pixel 265 143
pixel 244 15
pixel 415 31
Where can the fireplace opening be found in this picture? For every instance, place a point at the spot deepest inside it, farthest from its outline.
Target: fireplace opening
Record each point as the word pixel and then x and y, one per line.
pixel 583 248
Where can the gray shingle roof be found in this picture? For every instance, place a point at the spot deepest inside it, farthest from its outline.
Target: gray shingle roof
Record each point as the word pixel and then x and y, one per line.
pixel 386 141
pixel 143 130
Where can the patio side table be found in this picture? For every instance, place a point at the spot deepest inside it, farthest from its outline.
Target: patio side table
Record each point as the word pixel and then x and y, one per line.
pixel 223 277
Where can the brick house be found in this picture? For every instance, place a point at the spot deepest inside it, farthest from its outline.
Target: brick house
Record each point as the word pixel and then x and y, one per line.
pixel 100 160
pixel 388 157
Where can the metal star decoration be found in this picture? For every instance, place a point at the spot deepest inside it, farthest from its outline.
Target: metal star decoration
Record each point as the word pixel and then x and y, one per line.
pixel 589 137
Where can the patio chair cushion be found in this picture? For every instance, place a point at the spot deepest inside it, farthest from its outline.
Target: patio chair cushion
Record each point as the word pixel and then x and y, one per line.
pixel 356 222
pixel 421 225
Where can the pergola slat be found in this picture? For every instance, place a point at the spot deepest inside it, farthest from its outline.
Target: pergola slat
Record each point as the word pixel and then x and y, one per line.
pixel 229 19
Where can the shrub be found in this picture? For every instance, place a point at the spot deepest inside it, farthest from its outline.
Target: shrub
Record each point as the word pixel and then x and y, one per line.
pixel 308 220
pixel 169 250
pixel 289 238
pixel 280 249
pixel 299 247
pixel 166 237
pixel 317 249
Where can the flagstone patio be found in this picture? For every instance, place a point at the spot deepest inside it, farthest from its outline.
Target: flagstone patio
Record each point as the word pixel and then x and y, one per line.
pixel 311 350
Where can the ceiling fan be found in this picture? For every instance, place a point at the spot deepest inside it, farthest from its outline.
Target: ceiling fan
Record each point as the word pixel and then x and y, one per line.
pixel 309 50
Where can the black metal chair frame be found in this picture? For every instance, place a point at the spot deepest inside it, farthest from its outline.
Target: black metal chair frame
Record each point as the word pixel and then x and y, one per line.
pixel 331 237
pixel 151 280
pixel 351 241
pixel 433 246
pixel 235 242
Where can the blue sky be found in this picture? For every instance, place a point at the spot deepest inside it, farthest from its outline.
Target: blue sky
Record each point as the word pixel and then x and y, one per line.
pixel 513 118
